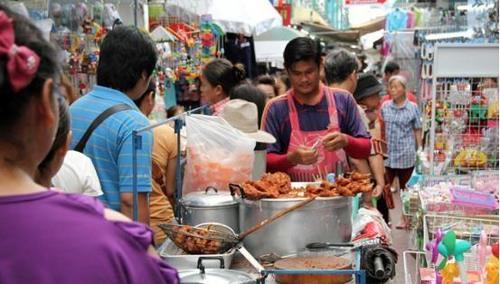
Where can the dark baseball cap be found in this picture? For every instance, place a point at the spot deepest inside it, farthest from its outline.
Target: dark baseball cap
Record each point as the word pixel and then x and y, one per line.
pixel 367 85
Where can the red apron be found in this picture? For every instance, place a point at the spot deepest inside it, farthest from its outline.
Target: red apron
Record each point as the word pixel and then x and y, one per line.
pixel 327 160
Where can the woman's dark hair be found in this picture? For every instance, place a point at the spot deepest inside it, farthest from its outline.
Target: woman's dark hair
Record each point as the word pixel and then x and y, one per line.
pixel 61 134
pixel 302 49
pixel 222 72
pixel 267 80
pixel 125 54
pixel 391 67
pixel 14 103
pixel 339 64
pixel 250 93
pixel 151 88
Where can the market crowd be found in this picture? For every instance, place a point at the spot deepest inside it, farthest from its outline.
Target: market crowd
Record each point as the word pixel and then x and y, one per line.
pixel 59 152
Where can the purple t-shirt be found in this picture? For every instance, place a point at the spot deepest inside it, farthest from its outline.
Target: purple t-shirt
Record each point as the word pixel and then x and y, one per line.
pixel 52 237
pixel 276 119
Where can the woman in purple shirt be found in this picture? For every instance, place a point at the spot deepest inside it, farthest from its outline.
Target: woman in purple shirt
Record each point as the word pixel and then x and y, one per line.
pixel 47 236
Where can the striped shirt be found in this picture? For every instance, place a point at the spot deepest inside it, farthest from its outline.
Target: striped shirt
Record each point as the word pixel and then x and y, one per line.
pixel 400 124
pixel 110 145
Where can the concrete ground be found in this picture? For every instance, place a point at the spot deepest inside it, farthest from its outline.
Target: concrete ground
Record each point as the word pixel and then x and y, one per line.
pixel 401 240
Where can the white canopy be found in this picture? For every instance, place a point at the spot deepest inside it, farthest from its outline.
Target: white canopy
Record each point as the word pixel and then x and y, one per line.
pixel 270 45
pixel 248 17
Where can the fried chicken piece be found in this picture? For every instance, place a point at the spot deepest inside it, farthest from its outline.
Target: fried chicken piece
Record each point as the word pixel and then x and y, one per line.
pixel 259 190
pixel 327 185
pixel 355 176
pixel 251 192
pixel 366 188
pixel 344 191
pixel 314 190
pixel 328 193
pixel 281 180
pixel 342 181
pixel 268 189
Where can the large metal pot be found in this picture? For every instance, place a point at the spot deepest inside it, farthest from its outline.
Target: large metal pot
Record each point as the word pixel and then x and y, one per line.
pixel 220 275
pixel 326 219
pixel 210 206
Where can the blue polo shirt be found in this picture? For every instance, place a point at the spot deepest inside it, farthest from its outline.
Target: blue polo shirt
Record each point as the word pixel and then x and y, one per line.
pixel 110 145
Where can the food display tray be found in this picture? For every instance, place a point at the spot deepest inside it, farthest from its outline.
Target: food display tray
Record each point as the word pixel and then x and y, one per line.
pixel 175 257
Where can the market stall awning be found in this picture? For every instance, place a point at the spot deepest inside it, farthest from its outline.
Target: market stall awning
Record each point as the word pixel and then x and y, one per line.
pixel 160 34
pixel 248 17
pixel 301 14
pixel 270 45
pixel 330 34
pixel 370 26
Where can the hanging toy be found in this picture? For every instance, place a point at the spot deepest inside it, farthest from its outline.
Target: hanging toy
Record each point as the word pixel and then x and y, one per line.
pixel 451 247
pixel 482 248
pixel 450 271
pixel 494 249
pixel 492 270
pixel 433 248
pixel 97 11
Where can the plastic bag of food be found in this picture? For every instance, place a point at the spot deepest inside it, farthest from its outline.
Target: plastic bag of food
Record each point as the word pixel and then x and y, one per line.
pixel 217 154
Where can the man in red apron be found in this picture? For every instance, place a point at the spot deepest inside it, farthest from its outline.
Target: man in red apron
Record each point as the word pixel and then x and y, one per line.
pixel 315 126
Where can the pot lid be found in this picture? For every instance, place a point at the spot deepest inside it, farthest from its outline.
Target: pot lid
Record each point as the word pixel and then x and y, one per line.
pixel 215 276
pixel 209 198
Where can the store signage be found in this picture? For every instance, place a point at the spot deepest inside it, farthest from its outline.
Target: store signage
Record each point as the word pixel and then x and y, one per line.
pixel 363 2
pixel 286 13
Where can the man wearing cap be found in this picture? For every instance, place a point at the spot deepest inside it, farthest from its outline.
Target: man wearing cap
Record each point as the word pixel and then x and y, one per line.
pixel 315 126
pixel 341 69
pixel 243 115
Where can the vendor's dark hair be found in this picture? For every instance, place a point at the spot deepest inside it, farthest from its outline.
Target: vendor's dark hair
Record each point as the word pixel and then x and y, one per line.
pixel 222 72
pixel 301 49
pixel 14 103
pixel 61 134
pixel 250 93
pixel 125 54
pixel 151 88
pixel 267 80
pixel 391 67
pixel 339 64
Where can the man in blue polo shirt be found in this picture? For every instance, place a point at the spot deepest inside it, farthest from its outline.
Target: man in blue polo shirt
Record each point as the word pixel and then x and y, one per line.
pixel 127 60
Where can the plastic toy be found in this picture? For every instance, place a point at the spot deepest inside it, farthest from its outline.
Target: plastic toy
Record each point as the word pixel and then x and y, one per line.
pixel 492 270
pixel 451 247
pixel 433 248
pixel 450 271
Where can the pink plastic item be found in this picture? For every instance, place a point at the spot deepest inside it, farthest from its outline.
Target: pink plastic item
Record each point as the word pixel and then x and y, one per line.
pixel 469 198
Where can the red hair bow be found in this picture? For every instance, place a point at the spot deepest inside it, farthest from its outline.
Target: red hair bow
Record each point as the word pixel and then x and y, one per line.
pixel 22 62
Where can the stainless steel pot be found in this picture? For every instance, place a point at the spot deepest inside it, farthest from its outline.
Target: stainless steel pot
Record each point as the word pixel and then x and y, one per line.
pixel 204 275
pixel 326 219
pixel 210 206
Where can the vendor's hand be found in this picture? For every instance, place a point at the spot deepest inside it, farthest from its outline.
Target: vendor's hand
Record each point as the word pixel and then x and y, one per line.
pixel 303 156
pixel 377 191
pixel 335 141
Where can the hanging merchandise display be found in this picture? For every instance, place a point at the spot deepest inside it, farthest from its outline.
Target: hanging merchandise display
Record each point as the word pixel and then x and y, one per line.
pixel 78 28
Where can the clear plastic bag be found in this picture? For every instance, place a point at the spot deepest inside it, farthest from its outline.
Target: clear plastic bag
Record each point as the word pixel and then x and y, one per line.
pixel 217 154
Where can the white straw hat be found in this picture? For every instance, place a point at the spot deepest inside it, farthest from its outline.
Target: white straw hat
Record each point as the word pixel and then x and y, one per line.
pixel 243 116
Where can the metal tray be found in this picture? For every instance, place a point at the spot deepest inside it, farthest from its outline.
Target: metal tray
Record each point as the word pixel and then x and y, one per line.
pixel 174 256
